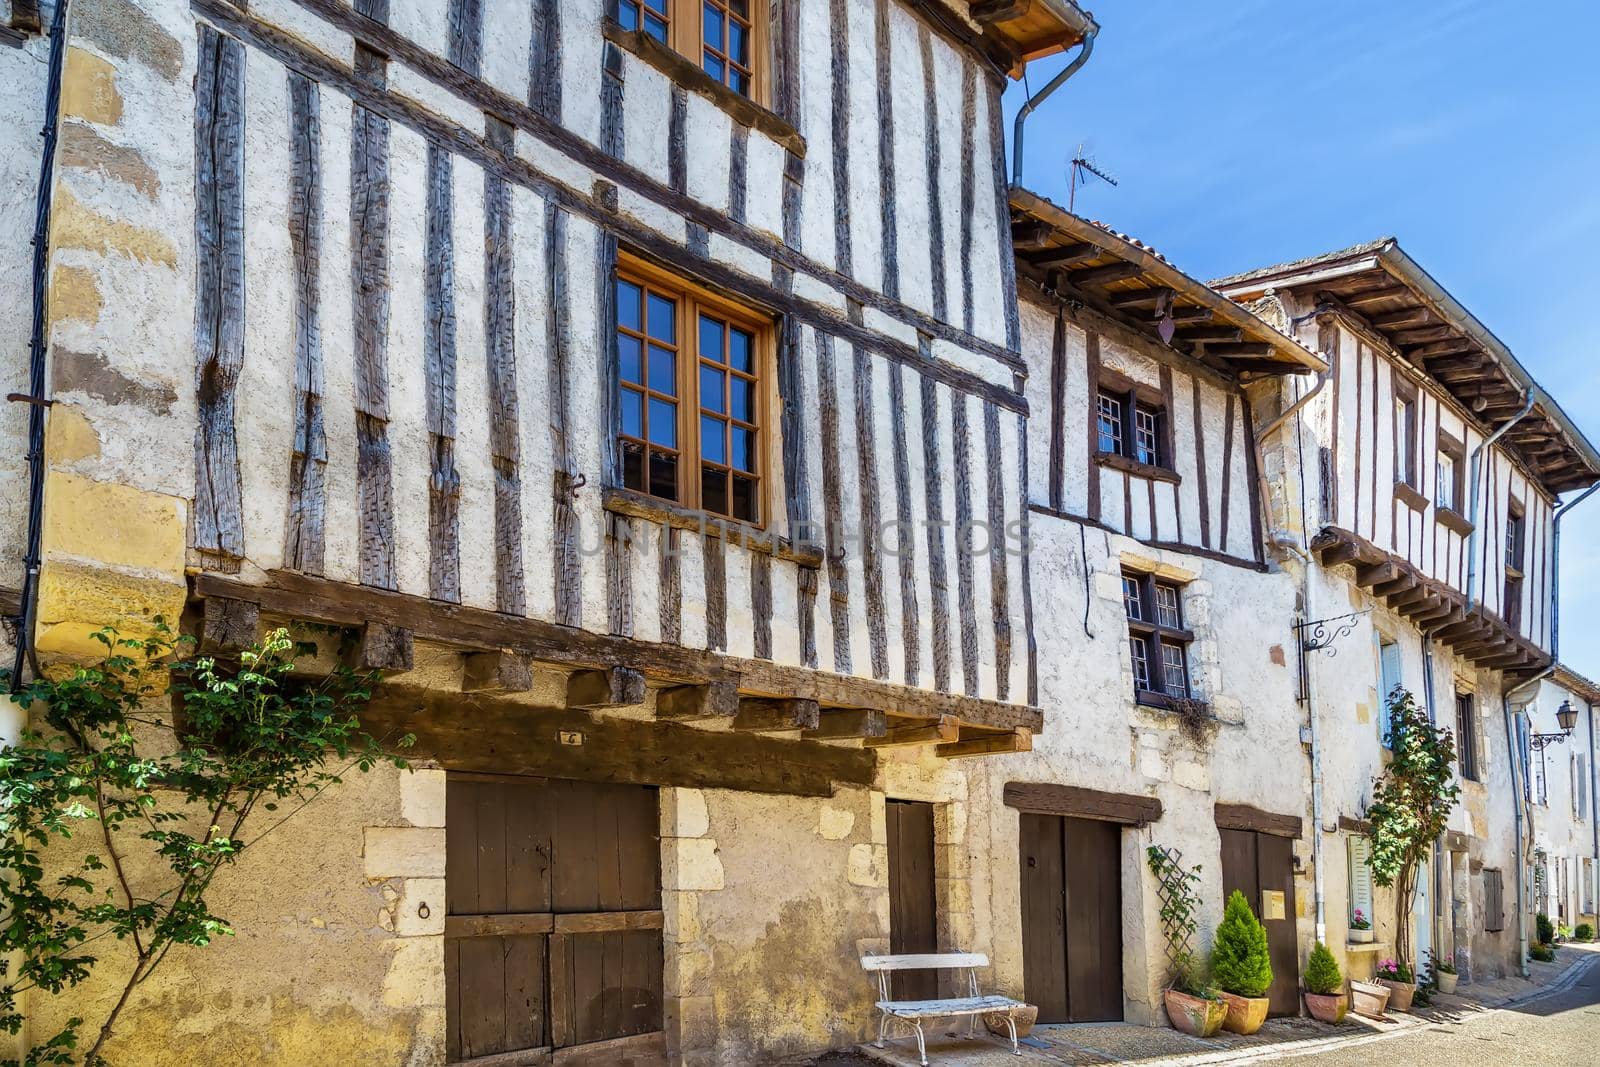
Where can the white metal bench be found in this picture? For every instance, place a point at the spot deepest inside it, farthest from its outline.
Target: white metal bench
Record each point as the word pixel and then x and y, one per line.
pixel 913 1012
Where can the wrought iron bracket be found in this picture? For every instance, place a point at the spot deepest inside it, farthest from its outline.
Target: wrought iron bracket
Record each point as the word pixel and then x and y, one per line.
pixel 1320 635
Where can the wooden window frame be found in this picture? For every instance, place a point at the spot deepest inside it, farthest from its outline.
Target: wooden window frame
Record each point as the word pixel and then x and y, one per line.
pixel 1155 636
pixel 1135 398
pixel 691 298
pixel 1467 736
pixel 1406 436
pixel 686 36
pixel 1451 513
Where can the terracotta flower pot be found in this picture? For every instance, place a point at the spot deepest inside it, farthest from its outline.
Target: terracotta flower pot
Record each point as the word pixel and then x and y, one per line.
pixel 1327 1007
pixel 1447 981
pixel 1369 998
pixel 1400 994
pixel 1245 1014
pixel 1195 1015
pixel 1024 1018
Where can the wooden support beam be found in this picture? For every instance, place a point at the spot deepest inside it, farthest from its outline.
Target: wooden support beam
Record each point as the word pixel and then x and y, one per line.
pixel 1031 235
pixel 1340 552
pixel 1062 256
pixel 1375 294
pixel 713 700
pixel 1209 334
pixel 496 672
pixel 1371 574
pixel 945 730
pixel 1229 350
pixel 1139 297
pixel 1388 320
pixel 1192 314
pixel 1404 591
pixel 768 714
pixel 1018 740
pixel 613 687
pixel 1103 275
pixel 849 722
pixel 1425 335
pixel 229 625
pixel 384 648
pixel 1435 349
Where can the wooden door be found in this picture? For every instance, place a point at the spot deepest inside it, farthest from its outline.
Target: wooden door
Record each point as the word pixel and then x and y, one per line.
pixel 1072 917
pixel 1257 865
pixel 553 919
pixel 913 912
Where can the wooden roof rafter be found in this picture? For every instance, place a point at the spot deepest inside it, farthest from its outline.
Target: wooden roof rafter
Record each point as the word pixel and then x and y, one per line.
pixel 1120 279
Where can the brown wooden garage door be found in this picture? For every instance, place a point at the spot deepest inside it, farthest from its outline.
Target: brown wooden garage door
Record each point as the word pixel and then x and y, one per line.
pixel 1072 917
pixel 553 928
pixel 1261 866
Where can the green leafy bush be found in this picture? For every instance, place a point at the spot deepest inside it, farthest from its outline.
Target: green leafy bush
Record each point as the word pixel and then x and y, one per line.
pixel 1240 962
pixel 1322 972
pixel 1544 953
pixel 1547 929
pixel 1583 932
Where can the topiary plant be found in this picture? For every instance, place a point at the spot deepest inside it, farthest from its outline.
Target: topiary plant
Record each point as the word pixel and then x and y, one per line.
pixel 1240 962
pixel 1542 952
pixel 1322 972
pixel 1547 929
pixel 1583 932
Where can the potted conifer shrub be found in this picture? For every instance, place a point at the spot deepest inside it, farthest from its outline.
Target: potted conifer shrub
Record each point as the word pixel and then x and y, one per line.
pixel 1325 998
pixel 1241 966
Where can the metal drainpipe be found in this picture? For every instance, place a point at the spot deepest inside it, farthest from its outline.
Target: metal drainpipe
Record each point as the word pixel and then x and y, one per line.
pixel 1084 50
pixel 1477 492
pixel 35 397
pixel 1516 808
pixel 1594 818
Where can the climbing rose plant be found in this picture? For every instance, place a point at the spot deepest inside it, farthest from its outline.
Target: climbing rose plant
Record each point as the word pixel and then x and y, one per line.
pixel 110 784
pixel 1411 806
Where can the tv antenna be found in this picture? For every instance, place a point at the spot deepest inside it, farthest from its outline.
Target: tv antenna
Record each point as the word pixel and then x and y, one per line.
pixel 1083 167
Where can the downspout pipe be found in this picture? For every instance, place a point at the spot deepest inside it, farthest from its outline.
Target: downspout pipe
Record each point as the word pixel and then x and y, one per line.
pixel 35 397
pixel 1085 49
pixel 1477 492
pixel 1516 808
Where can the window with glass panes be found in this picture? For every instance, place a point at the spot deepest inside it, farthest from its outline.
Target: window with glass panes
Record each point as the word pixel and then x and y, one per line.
pixel 1511 598
pixel 722 37
pixel 689 382
pixel 1158 641
pixel 1130 420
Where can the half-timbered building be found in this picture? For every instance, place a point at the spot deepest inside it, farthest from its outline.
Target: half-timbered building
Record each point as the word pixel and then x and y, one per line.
pixel 1164 642
pixel 638 384
pixel 1423 477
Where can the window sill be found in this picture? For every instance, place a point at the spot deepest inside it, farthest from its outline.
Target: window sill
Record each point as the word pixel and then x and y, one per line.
pixel 1147 698
pixel 1134 467
pixel 1409 496
pixel 1367 946
pixel 681 70
pixel 637 505
pixel 1454 520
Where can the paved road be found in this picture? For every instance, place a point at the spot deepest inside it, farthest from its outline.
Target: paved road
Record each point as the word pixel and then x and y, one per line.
pixel 1560 1029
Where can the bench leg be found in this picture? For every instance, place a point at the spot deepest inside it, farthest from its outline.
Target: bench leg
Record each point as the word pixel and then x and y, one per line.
pixel 922 1047
pixel 1011 1024
pixel 883 1025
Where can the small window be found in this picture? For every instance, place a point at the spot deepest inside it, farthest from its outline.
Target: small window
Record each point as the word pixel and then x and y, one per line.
pixel 1450 474
pixel 690 380
pixel 1516 526
pixel 1466 737
pixel 722 37
pixel 1445 487
pixel 1130 421
pixel 1405 440
pixel 1157 640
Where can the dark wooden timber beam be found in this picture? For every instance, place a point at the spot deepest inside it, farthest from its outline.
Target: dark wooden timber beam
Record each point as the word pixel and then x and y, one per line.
pixel 1062 256
pixel 292 595
pixel 1192 314
pixel 1405 317
pixel 1438 348
pixel 770 714
pixel 1371 574
pixel 1138 297
pixel 1078 802
pixel 1105 275
pixel 384 647
pixel 1209 334
pixel 1031 235
pixel 614 687
pixel 1375 294
pixel 1230 350
pixel 994 744
pixel 839 723
pixel 496 672
pixel 229 626
pixel 685 703
pixel 1407 338
pixel 945 730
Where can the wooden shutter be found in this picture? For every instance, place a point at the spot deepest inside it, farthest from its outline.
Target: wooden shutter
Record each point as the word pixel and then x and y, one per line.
pixel 1360 854
pixel 1493 903
pixel 1389 679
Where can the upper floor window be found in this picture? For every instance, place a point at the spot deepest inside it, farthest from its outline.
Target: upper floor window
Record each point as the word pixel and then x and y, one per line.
pixel 722 37
pixel 1158 643
pixel 1405 439
pixel 1449 474
pixel 1466 737
pixel 1516 526
pixel 1130 421
pixel 690 381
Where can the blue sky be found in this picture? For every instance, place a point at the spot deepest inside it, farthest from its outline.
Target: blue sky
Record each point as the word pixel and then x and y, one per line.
pixel 1249 132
